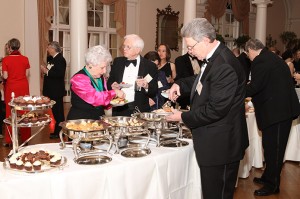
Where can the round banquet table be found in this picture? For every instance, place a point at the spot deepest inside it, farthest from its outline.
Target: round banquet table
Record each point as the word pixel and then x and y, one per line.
pixel 169 173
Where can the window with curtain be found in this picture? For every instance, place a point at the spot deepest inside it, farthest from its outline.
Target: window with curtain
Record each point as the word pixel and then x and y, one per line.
pixel 101 29
pixel 227 26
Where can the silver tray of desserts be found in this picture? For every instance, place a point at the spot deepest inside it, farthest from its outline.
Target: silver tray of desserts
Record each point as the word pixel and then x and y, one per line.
pixel 136 152
pixel 30 104
pixel 86 129
pixel 21 123
pixel 42 165
pixel 93 159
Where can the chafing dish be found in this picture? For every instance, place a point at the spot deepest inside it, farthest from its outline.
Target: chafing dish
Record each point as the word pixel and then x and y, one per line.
pixel 92 129
pixel 121 127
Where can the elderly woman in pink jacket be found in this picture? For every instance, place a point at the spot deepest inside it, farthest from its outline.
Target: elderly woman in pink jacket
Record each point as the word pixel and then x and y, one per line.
pixel 89 94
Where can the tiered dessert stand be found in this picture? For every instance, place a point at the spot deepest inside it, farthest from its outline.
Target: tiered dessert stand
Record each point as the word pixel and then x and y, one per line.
pixel 16 123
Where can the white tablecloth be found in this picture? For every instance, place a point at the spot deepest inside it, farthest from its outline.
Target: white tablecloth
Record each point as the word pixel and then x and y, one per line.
pixel 254 153
pixel 292 151
pixel 165 173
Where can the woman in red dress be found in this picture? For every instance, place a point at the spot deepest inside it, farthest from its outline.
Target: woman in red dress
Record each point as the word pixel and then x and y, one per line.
pixel 15 68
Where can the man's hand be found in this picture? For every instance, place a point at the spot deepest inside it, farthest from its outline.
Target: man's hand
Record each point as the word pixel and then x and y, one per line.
pixel 174 92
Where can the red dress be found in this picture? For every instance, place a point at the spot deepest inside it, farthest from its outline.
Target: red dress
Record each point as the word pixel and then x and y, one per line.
pixel 15 66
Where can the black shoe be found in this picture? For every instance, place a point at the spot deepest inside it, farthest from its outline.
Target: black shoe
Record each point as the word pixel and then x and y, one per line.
pixel 259 180
pixel 54 136
pixel 265 191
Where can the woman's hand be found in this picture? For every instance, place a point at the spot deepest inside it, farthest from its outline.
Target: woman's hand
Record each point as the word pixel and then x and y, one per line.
pixel 120 94
pixel 115 86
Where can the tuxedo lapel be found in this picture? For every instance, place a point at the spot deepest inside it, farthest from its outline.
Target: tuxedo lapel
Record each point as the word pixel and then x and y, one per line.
pixel 194 87
pixel 142 68
pixel 122 69
pixel 206 71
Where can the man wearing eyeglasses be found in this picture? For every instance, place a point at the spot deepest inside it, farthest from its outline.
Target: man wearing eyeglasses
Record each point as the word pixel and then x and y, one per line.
pixel 217 116
pixel 126 70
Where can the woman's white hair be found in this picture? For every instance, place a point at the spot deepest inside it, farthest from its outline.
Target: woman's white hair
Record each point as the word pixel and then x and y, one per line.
pixel 96 55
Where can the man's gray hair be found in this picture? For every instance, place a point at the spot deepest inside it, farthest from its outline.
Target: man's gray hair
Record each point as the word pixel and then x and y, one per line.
pixel 137 41
pixel 254 44
pixel 199 28
pixel 55 45
pixel 96 55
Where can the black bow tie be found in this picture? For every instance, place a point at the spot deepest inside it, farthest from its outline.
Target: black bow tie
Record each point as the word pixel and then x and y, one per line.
pixel 128 62
pixel 205 61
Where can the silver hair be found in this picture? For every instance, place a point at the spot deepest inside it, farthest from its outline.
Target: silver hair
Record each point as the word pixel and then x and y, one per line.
pixel 199 28
pixel 55 45
pixel 137 41
pixel 96 55
pixel 254 44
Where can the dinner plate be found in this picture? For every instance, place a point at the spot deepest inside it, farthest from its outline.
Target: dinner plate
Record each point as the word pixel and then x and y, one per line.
pixel 125 85
pixel 117 104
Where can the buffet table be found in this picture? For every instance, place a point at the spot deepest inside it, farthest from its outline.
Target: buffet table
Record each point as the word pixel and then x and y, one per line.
pixel 165 173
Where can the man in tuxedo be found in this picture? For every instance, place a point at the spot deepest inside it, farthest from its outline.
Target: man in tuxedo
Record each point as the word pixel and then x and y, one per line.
pixel 217 116
pixel 54 83
pixel 126 69
pixel 186 66
pixel 276 105
pixel 245 63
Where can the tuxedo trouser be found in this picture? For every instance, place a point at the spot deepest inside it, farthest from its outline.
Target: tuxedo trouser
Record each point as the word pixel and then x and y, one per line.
pixel 274 141
pixel 58 113
pixel 218 182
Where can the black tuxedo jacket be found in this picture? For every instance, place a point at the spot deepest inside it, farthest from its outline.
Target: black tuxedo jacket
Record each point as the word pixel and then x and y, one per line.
pixel 183 67
pixel 146 67
pixel 245 63
pixel 54 82
pixel 217 116
pixel 272 90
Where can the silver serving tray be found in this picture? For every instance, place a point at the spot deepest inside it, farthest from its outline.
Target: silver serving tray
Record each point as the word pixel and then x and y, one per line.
pixel 36 124
pixel 174 143
pixel 43 169
pixel 32 107
pixel 90 135
pixel 93 159
pixel 136 152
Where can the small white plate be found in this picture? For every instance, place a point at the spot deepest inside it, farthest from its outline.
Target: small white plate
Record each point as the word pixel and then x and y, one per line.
pixel 165 94
pixel 117 104
pixel 125 85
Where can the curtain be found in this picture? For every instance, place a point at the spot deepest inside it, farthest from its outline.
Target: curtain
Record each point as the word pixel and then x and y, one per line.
pixel 120 14
pixel 216 8
pixel 241 9
pixel 45 12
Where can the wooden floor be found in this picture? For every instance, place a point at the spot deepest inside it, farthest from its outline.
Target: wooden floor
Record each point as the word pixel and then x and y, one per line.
pixel 290 178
